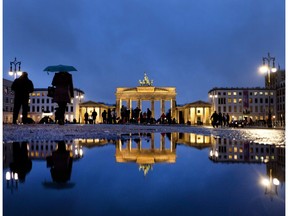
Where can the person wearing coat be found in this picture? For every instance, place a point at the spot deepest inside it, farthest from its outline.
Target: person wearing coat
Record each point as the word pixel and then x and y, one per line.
pixel 64 91
pixel 22 87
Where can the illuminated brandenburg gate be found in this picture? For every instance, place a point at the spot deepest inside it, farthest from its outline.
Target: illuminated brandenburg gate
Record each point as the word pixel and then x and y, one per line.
pixel 146 92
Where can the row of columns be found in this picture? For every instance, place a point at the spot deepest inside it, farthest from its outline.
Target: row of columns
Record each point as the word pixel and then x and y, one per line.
pixel 152 106
pixel 204 115
pixel 152 144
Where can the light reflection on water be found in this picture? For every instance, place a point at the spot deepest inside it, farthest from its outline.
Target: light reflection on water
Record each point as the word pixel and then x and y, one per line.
pixel 185 173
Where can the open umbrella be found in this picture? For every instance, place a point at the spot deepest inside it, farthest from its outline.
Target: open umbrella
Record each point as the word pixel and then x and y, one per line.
pixel 56 68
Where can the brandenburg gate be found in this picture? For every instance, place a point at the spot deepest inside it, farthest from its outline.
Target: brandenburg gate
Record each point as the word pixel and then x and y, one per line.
pixel 146 92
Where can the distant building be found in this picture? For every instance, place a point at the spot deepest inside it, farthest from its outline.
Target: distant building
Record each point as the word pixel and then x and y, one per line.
pixel 8 101
pixel 41 105
pixel 90 106
pixel 244 103
pixel 279 86
pixel 198 112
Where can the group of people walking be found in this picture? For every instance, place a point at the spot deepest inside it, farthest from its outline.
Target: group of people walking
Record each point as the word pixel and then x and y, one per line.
pixel 219 119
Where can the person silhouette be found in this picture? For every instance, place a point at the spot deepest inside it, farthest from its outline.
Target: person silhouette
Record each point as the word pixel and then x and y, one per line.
pixel 21 163
pixel 86 117
pixel 61 163
pixel 22 87
pixel 94 115
pixel 64 91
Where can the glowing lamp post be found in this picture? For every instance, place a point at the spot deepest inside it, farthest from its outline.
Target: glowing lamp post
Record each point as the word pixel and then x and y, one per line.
pixel 271 185
pixel 266 68
pixel 14 72
pixel 11 177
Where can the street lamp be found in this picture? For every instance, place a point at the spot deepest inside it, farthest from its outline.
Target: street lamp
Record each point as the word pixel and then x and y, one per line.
pixel 11 177
pixel 15 72
pixel 213 97
pixel 266 68
pixel 271 185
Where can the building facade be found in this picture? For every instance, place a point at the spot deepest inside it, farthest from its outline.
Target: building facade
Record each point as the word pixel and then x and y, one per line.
pixel 196 113
pixel 279 86
pixel 41 105
pixel 244 103
pixel 8 101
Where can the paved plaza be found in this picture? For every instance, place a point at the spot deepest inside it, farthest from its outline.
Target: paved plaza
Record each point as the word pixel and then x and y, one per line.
pixel 74 131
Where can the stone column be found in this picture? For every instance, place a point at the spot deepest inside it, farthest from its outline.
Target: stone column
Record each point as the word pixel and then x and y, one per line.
pixel 129 108
pixel 162 107
pixel 173 109
pixel 118 106
pixel 162 142
pixel 152 108
pixel 152 141
pixel 204 116
pixel 140 104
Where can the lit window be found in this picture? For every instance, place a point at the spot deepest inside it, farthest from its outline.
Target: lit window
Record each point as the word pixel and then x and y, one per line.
pixel 255 93
pixel 241 150
pixel 38 94
pixel 230 157
pixel 234 93
pixel 261 93
pixel 266 93
pixel 234 100
pixel 229 100
pixel 235 157
pixel 235 149
pixel 229 93
pixel 240 100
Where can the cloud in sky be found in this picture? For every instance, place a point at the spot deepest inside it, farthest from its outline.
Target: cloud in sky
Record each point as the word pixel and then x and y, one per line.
pixel 192 45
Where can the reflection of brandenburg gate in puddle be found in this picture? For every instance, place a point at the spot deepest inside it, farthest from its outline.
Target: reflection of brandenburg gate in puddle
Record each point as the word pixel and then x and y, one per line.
pixel 143 150
pixel 149 149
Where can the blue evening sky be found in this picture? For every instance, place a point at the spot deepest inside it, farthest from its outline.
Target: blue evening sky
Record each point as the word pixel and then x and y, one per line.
pixel 191 45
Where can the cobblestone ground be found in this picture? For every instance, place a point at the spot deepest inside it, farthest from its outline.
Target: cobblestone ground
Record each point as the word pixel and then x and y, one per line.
pixel 72 131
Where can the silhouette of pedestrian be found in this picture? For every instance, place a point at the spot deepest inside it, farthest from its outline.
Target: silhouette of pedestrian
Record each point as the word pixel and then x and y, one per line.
pixel 109 116
pixel 63 93
pixel 227 119
pixel 94 115
pixel 86 117
pixel 61 163
pixel 214 119
pixel 21 163
pixel 21 86
pixel 149 114
pixel 104 116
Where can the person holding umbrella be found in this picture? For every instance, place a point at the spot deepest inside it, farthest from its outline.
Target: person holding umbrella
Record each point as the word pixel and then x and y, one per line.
pixel 64 89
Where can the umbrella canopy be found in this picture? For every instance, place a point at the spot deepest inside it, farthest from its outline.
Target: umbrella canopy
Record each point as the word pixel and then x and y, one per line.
pixel 56 68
